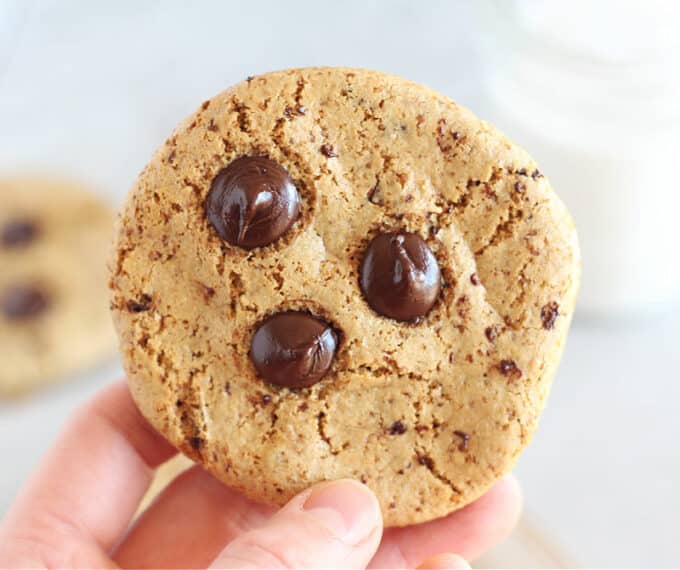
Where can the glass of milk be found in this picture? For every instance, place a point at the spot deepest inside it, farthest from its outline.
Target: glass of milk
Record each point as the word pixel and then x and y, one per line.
pixel 592 91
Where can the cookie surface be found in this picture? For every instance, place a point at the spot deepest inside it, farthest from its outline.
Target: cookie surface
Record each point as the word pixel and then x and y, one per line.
pixel 427 411
pixel 54 318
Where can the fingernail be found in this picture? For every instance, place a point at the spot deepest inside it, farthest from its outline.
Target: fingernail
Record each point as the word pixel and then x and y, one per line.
pixel 347 508
pixel 445 562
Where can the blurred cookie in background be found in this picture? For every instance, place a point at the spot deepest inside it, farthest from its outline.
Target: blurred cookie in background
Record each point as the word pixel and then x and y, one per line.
pixel 54 320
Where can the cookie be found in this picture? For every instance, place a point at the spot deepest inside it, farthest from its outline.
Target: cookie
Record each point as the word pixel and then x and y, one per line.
pixel 54 318
pixel 330 273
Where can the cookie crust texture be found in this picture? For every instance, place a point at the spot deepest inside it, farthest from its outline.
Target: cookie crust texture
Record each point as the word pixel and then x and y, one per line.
pixel 428 415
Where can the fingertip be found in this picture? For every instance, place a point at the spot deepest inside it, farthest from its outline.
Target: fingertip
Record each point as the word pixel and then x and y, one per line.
pixel 349 506
pixel 507 494
pixel 444 562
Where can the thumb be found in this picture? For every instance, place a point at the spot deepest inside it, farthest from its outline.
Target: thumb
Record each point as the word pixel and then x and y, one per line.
pixel 331 525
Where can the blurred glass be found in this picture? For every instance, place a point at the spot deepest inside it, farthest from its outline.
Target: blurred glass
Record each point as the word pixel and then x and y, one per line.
pixel 592 90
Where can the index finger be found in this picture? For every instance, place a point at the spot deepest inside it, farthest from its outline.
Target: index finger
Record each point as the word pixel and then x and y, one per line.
pixel 95 474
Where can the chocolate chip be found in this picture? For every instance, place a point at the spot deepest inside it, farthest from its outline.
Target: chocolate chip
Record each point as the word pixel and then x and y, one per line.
pixel 400 277
pixel 19 233
pixel 140 306
pixel 208 292
pixel 22 302
pixel 372 193
pixel 520 187
pixel 474 279
pixel 522 172
pixel 289 111
pixel 397 428
pixel 465 438
pixel 549 314
pixel 536 174
pixel 252 202
pixel 328 151
pixel 509 368
pixel 266 399
pixel 490 333
pixel 197 442
pixel 427 461
pixel 293 349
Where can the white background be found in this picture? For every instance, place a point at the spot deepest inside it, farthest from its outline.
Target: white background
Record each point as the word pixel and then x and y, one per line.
pixel 89 89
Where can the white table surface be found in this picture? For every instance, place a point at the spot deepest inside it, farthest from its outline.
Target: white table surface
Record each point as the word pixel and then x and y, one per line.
pixel 90 89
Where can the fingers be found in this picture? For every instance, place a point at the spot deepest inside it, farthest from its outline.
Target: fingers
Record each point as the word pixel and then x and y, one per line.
pixel 189 524
pixel 469 532
pixel 331 525
pixel 444 562
pixel 91 481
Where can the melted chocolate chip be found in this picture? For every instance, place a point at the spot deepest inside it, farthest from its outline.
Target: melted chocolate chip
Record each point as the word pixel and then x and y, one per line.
pixel 252 202
pixel 400 277
pixel 549 314
pixel 23 302
pixel 328 151
pixel 427 461
pixel 509 368
pixel 474 279
pixel 491 333
pixel 464 439
pixel 18 233
pixel 397 428
pixel 196 442
pixel 293 349
pixel 373 195
pixel 140 306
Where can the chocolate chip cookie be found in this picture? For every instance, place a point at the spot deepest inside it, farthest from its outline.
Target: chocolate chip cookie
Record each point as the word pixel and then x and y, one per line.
pixel 54 320
pixel 330 273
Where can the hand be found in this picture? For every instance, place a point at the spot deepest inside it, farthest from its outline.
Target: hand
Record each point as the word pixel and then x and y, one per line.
pixel 76 510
